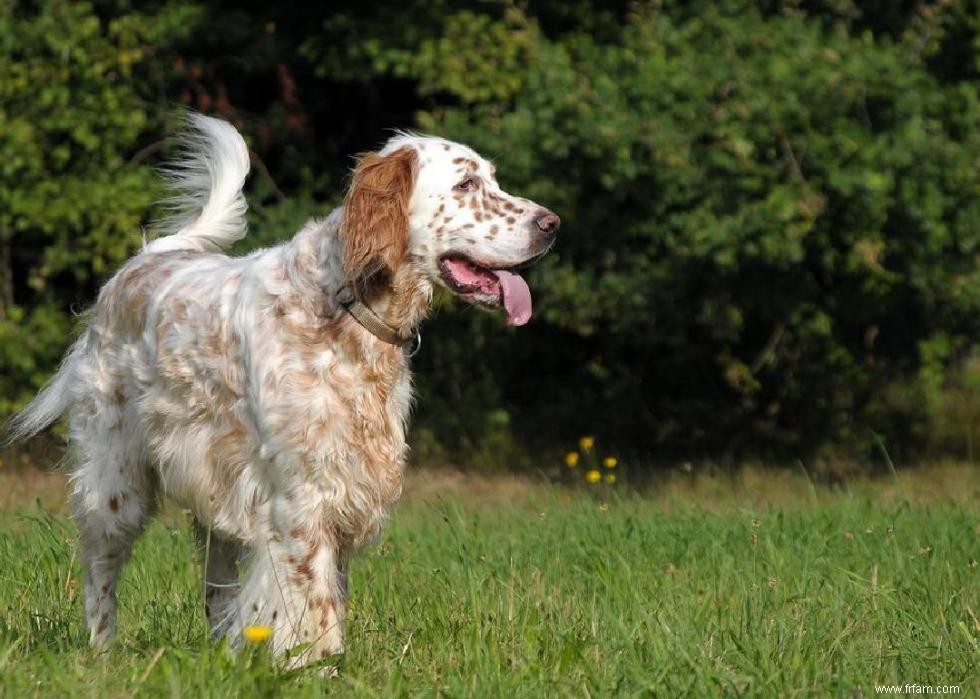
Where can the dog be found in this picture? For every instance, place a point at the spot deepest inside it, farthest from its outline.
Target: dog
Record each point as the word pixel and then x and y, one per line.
pixel 269 394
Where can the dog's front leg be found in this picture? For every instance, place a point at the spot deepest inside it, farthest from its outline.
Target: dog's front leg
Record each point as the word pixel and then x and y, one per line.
pixel 295 584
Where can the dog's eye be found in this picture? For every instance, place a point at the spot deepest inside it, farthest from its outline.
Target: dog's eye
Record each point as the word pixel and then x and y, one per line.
pixel 467 185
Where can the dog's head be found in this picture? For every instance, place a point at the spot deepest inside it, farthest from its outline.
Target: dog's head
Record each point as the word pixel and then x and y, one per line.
pixel 435 205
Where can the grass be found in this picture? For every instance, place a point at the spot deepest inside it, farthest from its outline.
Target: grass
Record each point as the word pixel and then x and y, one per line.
pixel 499 587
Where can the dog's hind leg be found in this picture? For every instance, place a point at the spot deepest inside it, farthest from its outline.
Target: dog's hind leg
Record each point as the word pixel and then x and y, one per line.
pixel 113 496
pixel 221 581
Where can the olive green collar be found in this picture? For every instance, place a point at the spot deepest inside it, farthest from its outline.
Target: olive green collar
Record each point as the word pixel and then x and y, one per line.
pixel 374 324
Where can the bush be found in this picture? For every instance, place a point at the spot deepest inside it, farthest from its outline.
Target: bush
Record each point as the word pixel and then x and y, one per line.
pixel 72 198
pixel 768 218
pixel 770 239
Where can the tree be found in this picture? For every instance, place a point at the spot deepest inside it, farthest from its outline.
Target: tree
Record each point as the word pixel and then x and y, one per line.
pixel 72 197
pixel 771 209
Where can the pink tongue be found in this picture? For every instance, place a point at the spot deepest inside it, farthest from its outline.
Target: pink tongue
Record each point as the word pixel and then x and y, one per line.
pixel 517 297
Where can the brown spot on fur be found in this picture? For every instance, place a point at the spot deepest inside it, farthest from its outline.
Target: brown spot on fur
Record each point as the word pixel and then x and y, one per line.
pixel 103 624
pixel 468 162
pixel 511 220
pixel 304 572
pixel 114 504
pixel 305 568
pixel 324 621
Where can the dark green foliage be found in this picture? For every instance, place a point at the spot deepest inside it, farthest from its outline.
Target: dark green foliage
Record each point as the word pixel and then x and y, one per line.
pixel 771 209
pixel 769 219
pixel 72 196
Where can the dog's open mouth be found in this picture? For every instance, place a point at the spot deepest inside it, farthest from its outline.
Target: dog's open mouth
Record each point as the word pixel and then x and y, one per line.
pixel 489 287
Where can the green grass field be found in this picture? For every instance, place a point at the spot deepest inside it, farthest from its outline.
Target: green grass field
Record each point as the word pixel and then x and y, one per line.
pixel 759 586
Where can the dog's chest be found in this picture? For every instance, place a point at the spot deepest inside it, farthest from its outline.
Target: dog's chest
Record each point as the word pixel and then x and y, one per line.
pixel 341 406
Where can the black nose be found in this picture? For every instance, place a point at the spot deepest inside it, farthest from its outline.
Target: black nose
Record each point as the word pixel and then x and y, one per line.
pixel 548 222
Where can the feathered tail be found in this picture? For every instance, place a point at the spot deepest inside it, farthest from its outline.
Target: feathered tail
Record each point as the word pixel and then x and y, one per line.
pixel 50 403
pixel 208 210
pixel 208 214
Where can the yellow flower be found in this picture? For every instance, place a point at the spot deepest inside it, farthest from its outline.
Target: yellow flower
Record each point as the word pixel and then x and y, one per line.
pixel 571 459
pixel 610 478
pixel 257 634
pixel 586 443
pixel 610 462
pixel 593 476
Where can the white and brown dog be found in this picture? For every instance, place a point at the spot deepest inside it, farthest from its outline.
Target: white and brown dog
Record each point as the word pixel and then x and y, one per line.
pixel 269 394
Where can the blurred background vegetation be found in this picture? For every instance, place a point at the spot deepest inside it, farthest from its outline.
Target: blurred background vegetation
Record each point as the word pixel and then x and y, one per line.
pixel 771 238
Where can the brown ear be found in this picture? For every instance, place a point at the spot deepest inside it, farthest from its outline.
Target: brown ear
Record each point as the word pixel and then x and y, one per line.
pixel 374 231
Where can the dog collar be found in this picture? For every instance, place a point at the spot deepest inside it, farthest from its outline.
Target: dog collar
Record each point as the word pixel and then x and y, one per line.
pixel 372 322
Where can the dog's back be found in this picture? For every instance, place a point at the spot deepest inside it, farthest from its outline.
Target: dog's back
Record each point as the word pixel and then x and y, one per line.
pixel 208 215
